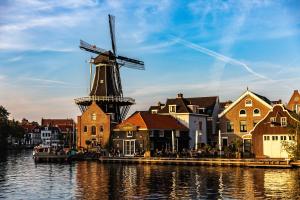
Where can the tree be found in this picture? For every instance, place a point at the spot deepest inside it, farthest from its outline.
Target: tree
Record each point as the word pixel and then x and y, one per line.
pixel 293 147
pixel 4 126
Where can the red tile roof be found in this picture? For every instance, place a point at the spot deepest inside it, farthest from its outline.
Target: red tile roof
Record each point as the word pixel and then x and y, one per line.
pixel 146 120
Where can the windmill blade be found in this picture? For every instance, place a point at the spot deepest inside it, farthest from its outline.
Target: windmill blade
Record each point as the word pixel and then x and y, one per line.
pixel 111 20
pixel 130 63
pixel 91 48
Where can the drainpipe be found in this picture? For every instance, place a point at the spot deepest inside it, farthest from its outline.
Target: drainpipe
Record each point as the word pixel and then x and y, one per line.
pixel 196 140
pixel 173 141
pixel 220 142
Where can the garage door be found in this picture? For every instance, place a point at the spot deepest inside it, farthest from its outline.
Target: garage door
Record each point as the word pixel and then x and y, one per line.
pixel 272 146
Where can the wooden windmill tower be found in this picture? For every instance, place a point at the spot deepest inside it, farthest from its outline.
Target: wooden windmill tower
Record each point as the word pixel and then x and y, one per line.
pixel 106 87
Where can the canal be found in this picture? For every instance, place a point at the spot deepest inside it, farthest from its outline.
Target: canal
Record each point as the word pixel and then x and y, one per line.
pixel 21 178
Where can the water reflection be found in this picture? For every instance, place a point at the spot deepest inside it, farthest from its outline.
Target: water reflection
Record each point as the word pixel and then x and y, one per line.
pixel 183 182
pixel 21 178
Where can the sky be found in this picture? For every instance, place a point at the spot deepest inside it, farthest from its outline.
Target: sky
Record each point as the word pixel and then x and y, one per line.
pixel 198 48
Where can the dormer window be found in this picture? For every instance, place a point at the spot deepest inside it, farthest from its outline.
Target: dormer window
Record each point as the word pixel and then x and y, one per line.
pixel 130 134
pixel 172 108
pixel 154 111
pixel 248 103
pixel 243 113
pixel 256 112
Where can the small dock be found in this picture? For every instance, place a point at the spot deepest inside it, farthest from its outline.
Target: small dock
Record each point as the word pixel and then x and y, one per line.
pixel 255 163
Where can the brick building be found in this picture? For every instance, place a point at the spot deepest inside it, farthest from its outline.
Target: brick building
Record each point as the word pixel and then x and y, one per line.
pixel 239 118
pixel 93 128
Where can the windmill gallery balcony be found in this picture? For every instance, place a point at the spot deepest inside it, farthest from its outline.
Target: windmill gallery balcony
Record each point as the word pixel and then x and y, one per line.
pixel 89 99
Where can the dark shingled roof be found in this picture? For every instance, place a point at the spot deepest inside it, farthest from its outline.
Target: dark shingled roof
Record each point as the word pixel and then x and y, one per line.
pixel 182 104
pixel 265 99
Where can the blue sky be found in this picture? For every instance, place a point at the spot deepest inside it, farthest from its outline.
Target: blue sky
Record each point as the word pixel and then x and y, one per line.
pixel 199 48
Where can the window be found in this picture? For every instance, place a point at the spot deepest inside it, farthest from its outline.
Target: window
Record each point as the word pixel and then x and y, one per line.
pixel 200 126
pixel 282 137
pixel 248 103
pixel 154 111
pixel 93 130
pixel 85 129
pixel 283 121
pixel 130 134
pixel 266 138
pixel 291 137
pixel 256 112
pixel 274 138
pixel 272 121
pixel 151 134
pixel 101 128
pixel 172 108
pixel 229 126
pixel 243 126
pixel 161 134
pixel 94 116
pixel 243 113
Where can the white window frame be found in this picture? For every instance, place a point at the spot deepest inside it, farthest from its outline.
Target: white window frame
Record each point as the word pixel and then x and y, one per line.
pixel 93 116
pixel 272 119
pixel 161 134
pixel 256 114
pixel 172 108
pixel 154 111
pixel 130 134
pixel 243 115
pixel 248 105
pixel 283 121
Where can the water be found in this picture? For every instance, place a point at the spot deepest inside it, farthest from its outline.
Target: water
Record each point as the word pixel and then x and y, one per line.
pixel 21 178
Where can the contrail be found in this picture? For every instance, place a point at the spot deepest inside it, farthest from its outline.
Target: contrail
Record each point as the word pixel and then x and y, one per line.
pixel 217 56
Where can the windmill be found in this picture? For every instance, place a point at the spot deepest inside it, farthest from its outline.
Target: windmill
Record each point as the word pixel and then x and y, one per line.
pixel 106 88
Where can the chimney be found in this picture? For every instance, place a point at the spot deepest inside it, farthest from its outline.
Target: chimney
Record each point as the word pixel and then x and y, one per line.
pixel 180 95
pixel 296 92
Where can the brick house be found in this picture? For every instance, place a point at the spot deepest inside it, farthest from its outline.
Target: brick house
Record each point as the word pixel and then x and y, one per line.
pixel 93 126
pixel 239 118
pixel 144 131
pixel 271 131
pixel 294 103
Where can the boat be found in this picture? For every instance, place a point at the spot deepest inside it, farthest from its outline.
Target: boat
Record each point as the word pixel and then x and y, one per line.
pixel 47 153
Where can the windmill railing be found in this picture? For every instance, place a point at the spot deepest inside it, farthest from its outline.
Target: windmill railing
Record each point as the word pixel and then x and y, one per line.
pixel 105 98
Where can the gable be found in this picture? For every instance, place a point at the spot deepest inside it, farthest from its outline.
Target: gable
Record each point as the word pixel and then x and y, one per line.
pixel 277 111
pixel 93 108
pixel 240 102
pixel 295 99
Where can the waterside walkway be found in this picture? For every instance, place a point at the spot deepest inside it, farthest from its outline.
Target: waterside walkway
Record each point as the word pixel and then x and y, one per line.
pixel 264 163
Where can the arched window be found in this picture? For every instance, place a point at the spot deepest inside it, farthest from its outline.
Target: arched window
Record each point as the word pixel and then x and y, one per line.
pixel 256 112
pixel 93 130
pixel 243 113
pixel 248 103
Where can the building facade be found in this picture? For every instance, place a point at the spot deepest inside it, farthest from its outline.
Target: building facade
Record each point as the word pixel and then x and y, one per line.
pixel 93 128
pixel 144 131
pixel 294 102
pixel 198 114
pixel 51 136
pixel 239 118
pixel 272 131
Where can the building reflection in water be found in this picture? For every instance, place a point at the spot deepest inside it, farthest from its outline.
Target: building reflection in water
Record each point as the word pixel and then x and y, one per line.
pixel 115 181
